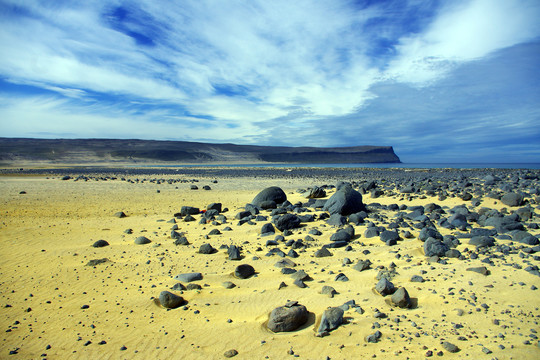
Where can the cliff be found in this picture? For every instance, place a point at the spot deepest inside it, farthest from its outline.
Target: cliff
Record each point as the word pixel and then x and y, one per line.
pixel 14 150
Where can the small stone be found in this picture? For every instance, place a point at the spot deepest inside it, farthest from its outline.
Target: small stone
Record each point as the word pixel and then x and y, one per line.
pixel 230 353
pixel 450 347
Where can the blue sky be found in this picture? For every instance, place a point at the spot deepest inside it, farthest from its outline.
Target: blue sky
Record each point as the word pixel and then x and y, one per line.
pixel 441 81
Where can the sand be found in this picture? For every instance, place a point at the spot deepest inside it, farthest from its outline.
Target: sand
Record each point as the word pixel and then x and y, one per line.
pixel 52 305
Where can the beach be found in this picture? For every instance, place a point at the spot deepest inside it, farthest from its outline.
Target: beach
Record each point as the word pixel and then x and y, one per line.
pixel 58 304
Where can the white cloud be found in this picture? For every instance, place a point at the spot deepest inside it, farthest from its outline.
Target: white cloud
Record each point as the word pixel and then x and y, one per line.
pixel 464 31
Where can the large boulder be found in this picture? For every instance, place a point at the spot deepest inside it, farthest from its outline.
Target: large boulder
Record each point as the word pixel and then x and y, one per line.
pixel 287 318
pixel 345 201
pixel 269 194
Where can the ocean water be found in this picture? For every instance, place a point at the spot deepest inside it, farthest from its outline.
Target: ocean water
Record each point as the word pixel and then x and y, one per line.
pixel 376 166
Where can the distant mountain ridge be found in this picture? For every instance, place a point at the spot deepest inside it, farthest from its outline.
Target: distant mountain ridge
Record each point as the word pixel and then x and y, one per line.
pixel 82 151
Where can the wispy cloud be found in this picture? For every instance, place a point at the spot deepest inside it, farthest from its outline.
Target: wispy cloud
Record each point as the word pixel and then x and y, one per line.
pixel 296 73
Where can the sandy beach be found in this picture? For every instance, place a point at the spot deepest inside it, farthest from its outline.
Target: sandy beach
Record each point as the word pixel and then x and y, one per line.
pixel 56 305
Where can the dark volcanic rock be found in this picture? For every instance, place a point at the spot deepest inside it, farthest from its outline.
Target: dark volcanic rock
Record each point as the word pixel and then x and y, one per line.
pixel 287 222
pixel 331 319
pixel 388 235
pixel 450 347
pixel 481 270
pixel 207 249
pixel 100 243
pixel 322 253
pixel 341 235
pixel 234 253
pixel 244 271
pixel 272 193
pixel 345 201
pixel 362 265
pixel 141 240
pixel 120 214
pixel 482 241
pixel 429 232
pixel 287 318
pixel 189 277
pixel 316 193
pixel 434 247
pixel 267 229
pixel 385 287
pixel 512 199
pixel 95 262
pixel 189 210
pixel 401 298
pixel 169 300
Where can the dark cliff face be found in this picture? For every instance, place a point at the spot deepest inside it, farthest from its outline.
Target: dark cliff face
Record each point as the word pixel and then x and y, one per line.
pixel 101 150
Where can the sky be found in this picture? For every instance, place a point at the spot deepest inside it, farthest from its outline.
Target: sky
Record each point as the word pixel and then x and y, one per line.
pixel 440 81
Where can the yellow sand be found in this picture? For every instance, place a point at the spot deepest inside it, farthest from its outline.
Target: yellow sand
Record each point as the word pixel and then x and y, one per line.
pixel 46 237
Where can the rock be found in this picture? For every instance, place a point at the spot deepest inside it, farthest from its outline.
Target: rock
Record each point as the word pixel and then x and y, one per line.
pixel 301 275
pixel 287 222
pixel 214 206
pixel 429 232
pixel 336 220
pixel 417 278
pixel 371 232
pixel 481 270
pixel 433 247
pixel 272 193
pixel 169 300
pixel 100 243
pixel 328 290
pixel 285 318
pixel 188 210
pixel 141 240
pixel 120 214
pixel 316 193
pixel 207 249
pixel 331 319
pixel 182 240
pixel 362 265
pixel 385 287
pixel 341 235
pixel 389 236
pixel 95 262
pixel 193 287
pixel 230 353
pixel 244 271
pixel 450 347
pixel 322 253
pixel 214 232
pixel 401 298
pixel 267 229
pixel 189 277
pixel 234 253
pixel 482 241
pixel 512 199
pixel 178 287
pixel 341 277
pixel 228 285
pixel 284 263
pixel 373 338
pixel 345 201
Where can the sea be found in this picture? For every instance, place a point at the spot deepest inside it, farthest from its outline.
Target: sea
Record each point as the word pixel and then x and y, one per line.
pixel 534 166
